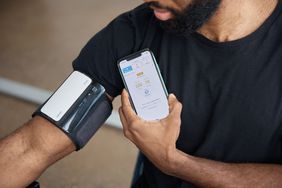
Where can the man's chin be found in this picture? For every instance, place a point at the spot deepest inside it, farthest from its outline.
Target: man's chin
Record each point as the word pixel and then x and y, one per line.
pixel 189 20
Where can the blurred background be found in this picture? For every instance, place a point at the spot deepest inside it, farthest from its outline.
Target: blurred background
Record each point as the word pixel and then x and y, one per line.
pixel 39 39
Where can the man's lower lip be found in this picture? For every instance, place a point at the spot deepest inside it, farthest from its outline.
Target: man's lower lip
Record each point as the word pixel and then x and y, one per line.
pixel 163 14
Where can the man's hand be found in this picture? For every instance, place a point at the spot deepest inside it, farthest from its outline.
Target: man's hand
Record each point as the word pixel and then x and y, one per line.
pixel 156 139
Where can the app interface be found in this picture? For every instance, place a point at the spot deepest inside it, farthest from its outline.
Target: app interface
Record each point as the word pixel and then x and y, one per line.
pixel 145 87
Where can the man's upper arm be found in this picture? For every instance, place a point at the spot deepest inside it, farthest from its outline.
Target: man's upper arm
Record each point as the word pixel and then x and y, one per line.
pixel 98 59
pixel 123 36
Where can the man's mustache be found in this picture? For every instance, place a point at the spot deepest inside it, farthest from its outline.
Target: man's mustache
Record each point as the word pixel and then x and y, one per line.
pixel 155 4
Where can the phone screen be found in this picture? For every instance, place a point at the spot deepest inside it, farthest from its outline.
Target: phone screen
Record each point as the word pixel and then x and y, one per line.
pixel 145 86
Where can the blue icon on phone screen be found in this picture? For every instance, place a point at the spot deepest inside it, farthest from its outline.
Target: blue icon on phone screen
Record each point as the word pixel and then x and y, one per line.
pixel 127 69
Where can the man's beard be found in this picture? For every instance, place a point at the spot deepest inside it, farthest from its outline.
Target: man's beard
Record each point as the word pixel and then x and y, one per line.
pixel 191 18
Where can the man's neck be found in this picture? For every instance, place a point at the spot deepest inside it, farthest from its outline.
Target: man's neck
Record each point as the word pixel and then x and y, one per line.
pixel 236 19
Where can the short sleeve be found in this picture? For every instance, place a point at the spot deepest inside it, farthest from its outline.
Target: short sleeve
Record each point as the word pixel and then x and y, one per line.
pixel 123 36
pixel 98 59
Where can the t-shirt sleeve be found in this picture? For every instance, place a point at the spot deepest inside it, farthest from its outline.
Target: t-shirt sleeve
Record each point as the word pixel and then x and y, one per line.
pixel 98 59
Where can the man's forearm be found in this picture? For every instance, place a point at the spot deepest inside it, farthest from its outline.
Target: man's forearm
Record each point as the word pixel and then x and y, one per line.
pixel 208 173
pixel 27 152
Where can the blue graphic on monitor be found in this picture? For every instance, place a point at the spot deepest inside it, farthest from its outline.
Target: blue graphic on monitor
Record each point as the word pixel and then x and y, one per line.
pixel 127 69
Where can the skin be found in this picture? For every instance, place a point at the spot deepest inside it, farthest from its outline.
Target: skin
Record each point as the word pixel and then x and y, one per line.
pixel 234 19
pixel 31 149
pixel 157 139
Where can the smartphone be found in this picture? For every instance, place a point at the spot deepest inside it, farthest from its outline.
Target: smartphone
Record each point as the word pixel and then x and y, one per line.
pixel 143 81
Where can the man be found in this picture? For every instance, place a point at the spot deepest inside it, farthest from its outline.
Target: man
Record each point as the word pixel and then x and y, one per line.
pixel 221 59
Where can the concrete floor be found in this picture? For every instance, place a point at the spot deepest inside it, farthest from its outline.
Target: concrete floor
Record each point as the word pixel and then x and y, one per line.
pixel 38 41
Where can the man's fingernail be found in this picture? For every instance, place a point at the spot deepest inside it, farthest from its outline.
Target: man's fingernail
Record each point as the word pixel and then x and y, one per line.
pixel 172 95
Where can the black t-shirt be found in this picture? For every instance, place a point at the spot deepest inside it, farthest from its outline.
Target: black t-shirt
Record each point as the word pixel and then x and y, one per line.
pixel 231 92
